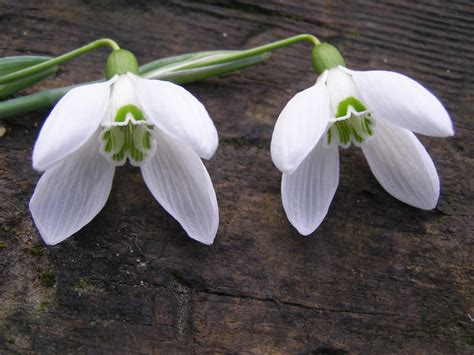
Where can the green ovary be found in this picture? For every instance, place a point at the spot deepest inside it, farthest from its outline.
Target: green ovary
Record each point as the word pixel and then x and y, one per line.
pixel 132 140
pixel 354 128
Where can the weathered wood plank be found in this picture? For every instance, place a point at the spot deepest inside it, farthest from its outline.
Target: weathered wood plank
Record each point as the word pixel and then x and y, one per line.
pixel 377 276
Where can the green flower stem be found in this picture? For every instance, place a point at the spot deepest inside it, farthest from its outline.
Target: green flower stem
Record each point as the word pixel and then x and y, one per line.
pixel 181 69
pixel 58 60
pixel 267 48
pixel 216 58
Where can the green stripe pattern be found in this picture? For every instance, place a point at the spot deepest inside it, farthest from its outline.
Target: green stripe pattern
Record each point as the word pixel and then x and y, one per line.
pixel 354 128
pixel 132 140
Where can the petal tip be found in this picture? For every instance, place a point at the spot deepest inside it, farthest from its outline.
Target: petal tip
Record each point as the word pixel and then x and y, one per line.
pixel 208 152
pixel 51 242
pixel 38 166
pixel 281 162
pixel 449 132
pixel 203 239
pixel 305 231
pixel 426 205
pixel 444 122
pixel 47 239
pixel 209 237
pixel 39 163
pixel 285 167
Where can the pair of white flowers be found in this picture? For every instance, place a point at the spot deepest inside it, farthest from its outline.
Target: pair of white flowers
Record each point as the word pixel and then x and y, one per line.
pixel 163 129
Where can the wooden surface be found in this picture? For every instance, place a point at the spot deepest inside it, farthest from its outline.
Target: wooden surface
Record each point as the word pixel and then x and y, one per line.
pixel 378 276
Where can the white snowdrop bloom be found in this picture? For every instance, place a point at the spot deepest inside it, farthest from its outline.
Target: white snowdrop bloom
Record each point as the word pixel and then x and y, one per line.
pixel 378 111
pixel 155 125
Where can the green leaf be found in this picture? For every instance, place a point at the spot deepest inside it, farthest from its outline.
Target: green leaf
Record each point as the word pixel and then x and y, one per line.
pixel 186 76
pixel 11 64
pixel 38 101
pixel 20 84
pixel 170 69
pixel 180 59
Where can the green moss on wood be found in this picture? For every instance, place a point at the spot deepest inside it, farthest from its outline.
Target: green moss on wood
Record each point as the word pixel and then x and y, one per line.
pixel 36 250
pixel 47 278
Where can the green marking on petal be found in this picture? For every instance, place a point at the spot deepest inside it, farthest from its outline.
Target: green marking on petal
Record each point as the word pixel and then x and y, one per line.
pixel 343 131
pixel 123 111
pixel 108 141
pixel 146 140
pixel 367 126
pixel 133 141
pixel 354 128
pixel 344 106
pixel 119 156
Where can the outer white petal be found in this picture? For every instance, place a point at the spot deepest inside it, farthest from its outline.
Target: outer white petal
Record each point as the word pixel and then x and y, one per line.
pixel 178 113
pixel 308 192
pixel 402 166
pixel 72 193
pixel 404 102
pixel 300 126
pixel 71 123
pixel 178 179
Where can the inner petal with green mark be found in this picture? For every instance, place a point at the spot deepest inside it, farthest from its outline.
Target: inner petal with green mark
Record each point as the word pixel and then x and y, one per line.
pixel 130 136
pixel 353 123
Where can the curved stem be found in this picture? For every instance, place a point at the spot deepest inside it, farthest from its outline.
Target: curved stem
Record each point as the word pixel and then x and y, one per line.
pixel 58 60
pixel 257 50
pixel 181 69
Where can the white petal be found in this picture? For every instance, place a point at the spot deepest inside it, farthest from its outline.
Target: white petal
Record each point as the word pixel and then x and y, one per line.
pixel 71 123
pixel 122 93
pixel 404 102
pixel 178 179
pixel 402 166
pixel 308 192
pixel 340 86
pixel 299 127
pixel 177 113
pixel 72 193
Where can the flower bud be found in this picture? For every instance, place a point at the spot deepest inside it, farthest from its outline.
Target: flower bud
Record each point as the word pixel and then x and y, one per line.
pixel 121 61
pixel 326 56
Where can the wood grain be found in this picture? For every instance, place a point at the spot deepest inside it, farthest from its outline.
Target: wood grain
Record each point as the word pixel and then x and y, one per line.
pixel 378 276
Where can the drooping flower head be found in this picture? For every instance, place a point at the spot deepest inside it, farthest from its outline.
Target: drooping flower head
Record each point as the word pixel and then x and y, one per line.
pixel 155 125
pixel 377 111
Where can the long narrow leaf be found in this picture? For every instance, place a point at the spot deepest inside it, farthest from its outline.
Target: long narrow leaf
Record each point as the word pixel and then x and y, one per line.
pixel 179 59
pixel 23 83
pixel 11 64
pixel 187 76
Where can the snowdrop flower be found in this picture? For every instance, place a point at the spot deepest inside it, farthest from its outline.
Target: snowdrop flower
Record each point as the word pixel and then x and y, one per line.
pixel 155 125
pixel 378 111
